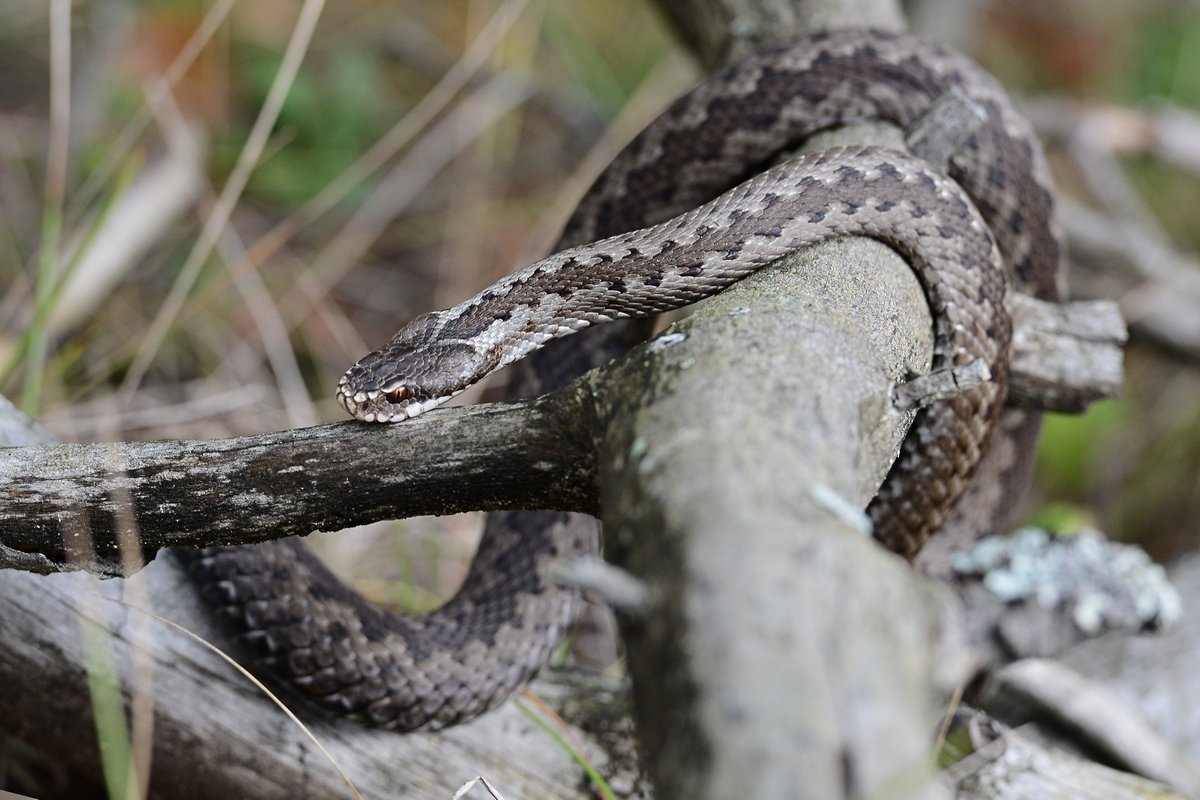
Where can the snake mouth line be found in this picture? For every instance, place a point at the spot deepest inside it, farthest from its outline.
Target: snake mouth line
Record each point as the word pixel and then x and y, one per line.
pixel 379 406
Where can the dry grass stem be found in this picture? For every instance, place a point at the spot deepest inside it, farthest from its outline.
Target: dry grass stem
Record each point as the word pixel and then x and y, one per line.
pixel 216 221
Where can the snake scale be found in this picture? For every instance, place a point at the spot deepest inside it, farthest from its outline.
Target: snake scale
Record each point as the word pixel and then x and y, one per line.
pixel 688 207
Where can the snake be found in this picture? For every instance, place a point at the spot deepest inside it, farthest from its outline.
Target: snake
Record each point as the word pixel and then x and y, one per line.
pixel 708 193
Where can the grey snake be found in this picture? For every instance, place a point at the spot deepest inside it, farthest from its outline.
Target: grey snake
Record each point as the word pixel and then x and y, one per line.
pixel 691 205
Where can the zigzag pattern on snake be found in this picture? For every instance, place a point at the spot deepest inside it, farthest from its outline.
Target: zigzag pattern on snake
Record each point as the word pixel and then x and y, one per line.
pixel 690 206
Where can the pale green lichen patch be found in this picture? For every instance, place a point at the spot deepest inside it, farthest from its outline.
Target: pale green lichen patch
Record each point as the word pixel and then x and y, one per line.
pixel 1104 585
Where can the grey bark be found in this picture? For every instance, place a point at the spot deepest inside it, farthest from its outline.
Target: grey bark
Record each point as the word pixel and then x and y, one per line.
pixel 1040 688
pixel 750 678
pixel 1065 356
pixel 850 718
pixel 1128 701
pixel 786 655
pixel 214 735
pixel 253 488
pixel 1160 676
pixel 1009 765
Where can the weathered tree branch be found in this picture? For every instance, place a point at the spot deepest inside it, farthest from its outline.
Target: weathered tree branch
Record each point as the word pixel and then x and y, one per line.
pixel 780 628
pixel 253 488
pixel 1065 355
pixel 213 732
pixel 1008 765
pixel 539 454
pixel 1128 701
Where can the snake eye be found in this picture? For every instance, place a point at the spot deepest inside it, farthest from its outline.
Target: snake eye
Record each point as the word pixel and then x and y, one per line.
pixel 397 394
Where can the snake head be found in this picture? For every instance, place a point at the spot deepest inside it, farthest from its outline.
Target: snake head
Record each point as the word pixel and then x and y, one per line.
pixel 419 369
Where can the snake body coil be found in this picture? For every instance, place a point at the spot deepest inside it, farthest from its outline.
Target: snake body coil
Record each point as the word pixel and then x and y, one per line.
pixel 689 207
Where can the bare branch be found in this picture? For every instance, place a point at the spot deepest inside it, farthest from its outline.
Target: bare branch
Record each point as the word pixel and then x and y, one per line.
pixel 775 625
pixel 1006 765
pixel 1159 286
pixel 1164 131
pixel 1065 356
pixel 939 385
pixel 254 488
pixel 945 125
pixel 214 732
pixel 1106 722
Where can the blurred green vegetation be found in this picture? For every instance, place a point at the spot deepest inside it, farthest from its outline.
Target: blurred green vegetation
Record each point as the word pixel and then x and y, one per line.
pixel 330 117
pixel 1168 58
pixel 1167 70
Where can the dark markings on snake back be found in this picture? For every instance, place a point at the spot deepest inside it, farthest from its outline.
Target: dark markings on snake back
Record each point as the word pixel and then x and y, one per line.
pixel 823 59
pixel 850 175
pixel 961 206
pixel 995 177
pixel 748 109
pixel 912 64
pixel 888 170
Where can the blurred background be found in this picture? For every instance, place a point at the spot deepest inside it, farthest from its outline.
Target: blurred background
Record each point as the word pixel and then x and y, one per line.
pixel 210 208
